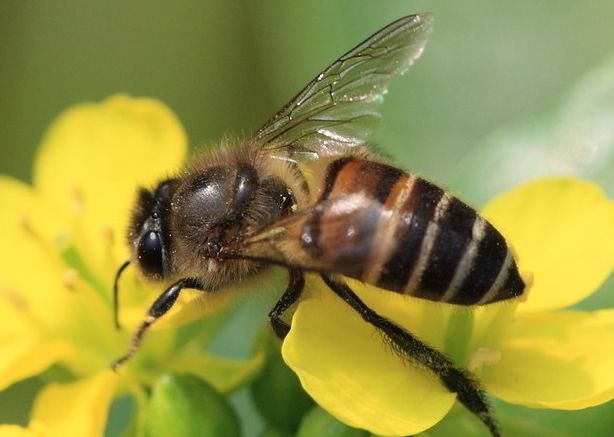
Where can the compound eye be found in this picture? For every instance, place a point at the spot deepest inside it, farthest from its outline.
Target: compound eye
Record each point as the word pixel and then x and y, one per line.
pixel 150 253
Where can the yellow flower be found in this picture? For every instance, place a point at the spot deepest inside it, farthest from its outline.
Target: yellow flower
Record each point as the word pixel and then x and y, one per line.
pixel 62 240
pixel 528 353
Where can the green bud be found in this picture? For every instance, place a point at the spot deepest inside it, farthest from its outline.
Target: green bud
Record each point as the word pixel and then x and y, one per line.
pixel 318 423
pixel 183 405
pixel 277 392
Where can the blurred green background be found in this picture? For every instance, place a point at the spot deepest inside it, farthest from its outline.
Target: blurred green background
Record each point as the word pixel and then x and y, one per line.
pixel 226 66
pixel 492 73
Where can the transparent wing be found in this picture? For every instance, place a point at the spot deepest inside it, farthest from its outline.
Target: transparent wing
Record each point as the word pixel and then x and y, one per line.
pixel 341 107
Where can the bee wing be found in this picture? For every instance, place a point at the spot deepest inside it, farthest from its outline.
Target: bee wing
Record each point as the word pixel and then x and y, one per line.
pixel 333 236
pixel 341 106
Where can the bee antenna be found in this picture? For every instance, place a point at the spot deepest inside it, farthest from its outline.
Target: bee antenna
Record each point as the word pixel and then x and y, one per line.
pixel 119 272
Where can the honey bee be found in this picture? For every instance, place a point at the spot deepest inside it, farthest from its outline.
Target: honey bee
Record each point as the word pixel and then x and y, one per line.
pixel 306 192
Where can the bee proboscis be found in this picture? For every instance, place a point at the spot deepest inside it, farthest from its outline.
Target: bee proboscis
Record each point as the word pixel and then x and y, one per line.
pixel 306 192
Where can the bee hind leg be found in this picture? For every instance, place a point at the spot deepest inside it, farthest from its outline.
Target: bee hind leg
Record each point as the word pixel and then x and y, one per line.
pixel 161 305
pixel 413 350
pixel 290 296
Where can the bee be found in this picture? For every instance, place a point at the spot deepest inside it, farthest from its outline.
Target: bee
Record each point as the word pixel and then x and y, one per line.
pixel 307 193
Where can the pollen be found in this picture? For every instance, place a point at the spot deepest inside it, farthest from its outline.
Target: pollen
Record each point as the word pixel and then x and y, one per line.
pixel 14 298
pixel 108 236
pixel 70 278
pixel 26 225
pixel 78 202
pixel 527 278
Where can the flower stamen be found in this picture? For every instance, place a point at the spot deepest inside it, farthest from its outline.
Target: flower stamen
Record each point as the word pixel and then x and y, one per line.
pixel 483 357
pixel 26 225
pixel 70 278
pixel 45 248
pixel 77 199
pixel 14 298
pixel 108 237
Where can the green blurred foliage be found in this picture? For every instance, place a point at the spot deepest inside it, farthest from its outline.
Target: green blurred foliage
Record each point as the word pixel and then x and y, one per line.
pixel 273 432
pixel 226 66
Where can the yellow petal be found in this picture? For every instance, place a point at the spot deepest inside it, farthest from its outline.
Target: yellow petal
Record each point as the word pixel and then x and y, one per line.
pixel 76 409
pixel 22 352
pixel 347 368
pixel 18 431
pixel 93 157
pixel 26 209
pixel 556 360
pixel 31 271
pixel 562 230
pixel 23 359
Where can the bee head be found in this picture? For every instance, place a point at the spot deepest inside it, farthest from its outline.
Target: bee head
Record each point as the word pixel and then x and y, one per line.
pixel 148 235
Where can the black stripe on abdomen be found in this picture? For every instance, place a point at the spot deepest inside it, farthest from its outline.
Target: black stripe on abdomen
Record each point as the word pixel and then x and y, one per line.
pixel 513 286
pixel 417 212
pixel 484 269
pixel 453 237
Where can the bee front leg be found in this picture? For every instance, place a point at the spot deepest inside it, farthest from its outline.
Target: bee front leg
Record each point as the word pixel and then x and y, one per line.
pixel 162 304
pixel 290 296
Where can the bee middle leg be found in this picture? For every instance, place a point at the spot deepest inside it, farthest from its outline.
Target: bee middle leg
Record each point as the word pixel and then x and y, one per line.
pixel 161 305
pixel 412 349
pixel 290 296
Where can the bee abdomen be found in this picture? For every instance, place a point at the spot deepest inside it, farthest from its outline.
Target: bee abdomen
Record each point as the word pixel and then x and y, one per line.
pixel 424 242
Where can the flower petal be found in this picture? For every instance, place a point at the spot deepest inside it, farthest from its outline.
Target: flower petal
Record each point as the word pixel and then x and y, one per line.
pixel 20 356
pixel 27 210
pixel 31 271
pixel 21 360
pixel 93 157
pixel 556 360
pixel 351 372
pixel 18 431
pixel 78 408
pixel 562 230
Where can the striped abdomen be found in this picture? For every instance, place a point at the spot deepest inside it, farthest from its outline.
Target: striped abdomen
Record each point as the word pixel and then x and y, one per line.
pixel 402 233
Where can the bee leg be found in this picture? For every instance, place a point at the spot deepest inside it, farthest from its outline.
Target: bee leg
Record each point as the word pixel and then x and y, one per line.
pixel 290 296
pixel 162 304
pixel 410 348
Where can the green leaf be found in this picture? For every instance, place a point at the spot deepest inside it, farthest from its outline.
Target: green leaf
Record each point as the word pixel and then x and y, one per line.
pixel 183 405
pixel 277 392
pixel 318 423
pixel 574 137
